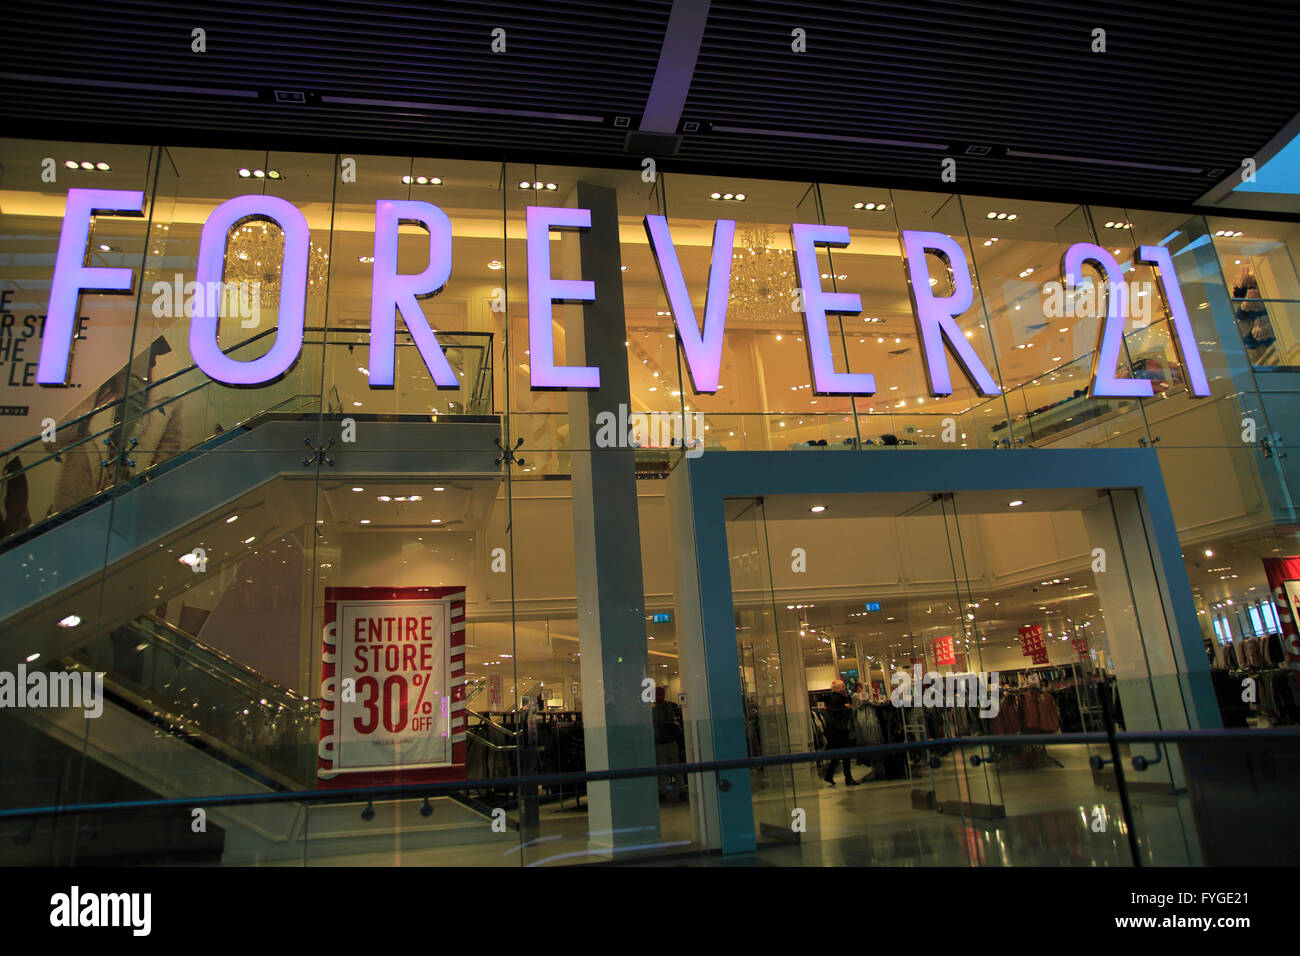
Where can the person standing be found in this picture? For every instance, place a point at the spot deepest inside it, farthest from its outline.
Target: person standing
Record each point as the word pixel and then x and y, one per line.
pixel 669 738
pixel 839 714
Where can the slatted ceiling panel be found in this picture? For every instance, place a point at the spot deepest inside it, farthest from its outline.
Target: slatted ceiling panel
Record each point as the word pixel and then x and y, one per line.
pixel 876 166
pixel 1190 88
pixel 452 133
pixel 558 53
pixel 1201 87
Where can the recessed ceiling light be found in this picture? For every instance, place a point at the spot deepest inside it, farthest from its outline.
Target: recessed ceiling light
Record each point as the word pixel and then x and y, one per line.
pixel 358 489
pixel 1016 504
pixel 259 174
pixel 70 163
pixel 817 509
pixel 365 521
pixel 232 519
pixel 406 180
pixel 438 489
pixel 104 167
pixel 435 521
pixel 86 165
pixel 72 620
pixel 495 264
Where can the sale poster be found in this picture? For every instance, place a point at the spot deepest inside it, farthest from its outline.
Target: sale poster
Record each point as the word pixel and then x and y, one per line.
pixel 943 652
pixel 1031 642
pixel 392 692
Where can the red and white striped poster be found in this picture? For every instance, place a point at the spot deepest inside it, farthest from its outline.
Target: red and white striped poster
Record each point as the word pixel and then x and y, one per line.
pixel 393 686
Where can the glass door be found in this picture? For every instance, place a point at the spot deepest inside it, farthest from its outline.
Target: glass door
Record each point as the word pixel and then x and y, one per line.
pixel 770 706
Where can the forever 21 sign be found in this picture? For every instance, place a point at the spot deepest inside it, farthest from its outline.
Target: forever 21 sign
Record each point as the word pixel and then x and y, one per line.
pixel 393 293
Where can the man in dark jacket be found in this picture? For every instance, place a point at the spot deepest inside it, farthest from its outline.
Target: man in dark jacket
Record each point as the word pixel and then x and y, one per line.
pixel 838 719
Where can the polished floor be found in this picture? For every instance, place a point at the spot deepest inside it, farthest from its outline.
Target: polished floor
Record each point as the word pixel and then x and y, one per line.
pixel 1055 815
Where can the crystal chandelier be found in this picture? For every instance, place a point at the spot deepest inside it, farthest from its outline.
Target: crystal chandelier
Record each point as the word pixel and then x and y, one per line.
pixel 762 278
pixel 255 254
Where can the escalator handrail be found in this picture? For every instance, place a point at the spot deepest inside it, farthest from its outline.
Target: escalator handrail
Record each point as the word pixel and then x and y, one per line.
pixel 171 398
pixel 182 642
pixel 493 724
pixel 79 507
pixel 119 401
pixel 186 730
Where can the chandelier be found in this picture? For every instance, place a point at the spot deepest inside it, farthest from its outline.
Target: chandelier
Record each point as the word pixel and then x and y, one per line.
pixel 762 278
pixel 255 254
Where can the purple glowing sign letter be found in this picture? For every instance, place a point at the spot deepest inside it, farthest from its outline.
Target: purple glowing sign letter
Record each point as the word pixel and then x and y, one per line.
pixel 72 276
pixel 703 350
pixel 204 348
pixel 816 303
pixel 935 316
pixel 1184 338
pixel 392 293
pixel 543 290
pixel 1104 382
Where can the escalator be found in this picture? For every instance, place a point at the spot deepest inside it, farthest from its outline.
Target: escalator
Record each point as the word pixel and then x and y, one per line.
pixel 120 529
pixel 182 719
pixel 226 473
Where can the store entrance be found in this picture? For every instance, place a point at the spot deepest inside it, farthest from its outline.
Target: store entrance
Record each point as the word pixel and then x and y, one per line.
pixel 902 616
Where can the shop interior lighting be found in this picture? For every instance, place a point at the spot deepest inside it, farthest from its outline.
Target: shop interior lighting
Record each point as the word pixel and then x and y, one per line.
pixel 728 197
pixel 245 173
pixel 871 206
pixel 422 180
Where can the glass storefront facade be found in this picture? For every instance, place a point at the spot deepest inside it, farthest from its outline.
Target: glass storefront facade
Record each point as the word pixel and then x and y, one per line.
pixel 193 541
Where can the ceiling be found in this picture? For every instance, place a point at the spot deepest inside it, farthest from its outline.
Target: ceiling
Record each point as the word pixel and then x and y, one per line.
pixel 882 93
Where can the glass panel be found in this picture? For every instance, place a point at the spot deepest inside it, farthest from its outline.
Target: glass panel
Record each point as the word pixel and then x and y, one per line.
pixel 770 712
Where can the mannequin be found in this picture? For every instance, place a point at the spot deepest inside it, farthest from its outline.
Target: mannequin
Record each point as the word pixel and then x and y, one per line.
pixel 1252 316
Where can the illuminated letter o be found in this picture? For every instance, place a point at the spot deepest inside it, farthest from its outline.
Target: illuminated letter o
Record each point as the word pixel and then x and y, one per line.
pixel 204 349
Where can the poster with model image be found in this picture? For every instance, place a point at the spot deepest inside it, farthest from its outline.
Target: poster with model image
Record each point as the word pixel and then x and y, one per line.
pixel 393 685
pixel 1284 585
